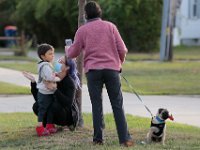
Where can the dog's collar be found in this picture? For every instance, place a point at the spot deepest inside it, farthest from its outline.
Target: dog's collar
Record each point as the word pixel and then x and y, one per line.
pixel 159 120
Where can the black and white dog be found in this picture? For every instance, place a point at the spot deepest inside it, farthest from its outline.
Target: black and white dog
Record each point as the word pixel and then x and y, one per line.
pixel 157 130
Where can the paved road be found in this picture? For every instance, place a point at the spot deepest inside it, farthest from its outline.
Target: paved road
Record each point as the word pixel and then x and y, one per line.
pixel 184 108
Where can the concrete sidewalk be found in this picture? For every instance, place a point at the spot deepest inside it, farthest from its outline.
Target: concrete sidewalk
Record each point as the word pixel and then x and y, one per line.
pixel 185 109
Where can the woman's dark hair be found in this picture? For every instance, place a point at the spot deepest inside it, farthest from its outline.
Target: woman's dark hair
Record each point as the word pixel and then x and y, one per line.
pixel 43 48
pixel 92 10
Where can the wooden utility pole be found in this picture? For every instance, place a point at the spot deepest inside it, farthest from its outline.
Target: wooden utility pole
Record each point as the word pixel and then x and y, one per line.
pixel 164 30
pixel 81 21
pixel 168 22
pixel 172 17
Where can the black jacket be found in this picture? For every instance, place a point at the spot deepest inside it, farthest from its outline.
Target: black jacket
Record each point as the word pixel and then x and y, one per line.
pixel 64 100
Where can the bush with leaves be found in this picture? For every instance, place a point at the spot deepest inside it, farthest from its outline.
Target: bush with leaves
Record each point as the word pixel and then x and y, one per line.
pixel 139 21
pixel 49 20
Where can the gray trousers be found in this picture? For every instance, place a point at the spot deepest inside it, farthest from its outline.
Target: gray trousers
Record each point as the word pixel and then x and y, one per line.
pixel 95 81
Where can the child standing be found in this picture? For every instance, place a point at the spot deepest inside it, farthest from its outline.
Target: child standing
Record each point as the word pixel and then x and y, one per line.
pixel 45 96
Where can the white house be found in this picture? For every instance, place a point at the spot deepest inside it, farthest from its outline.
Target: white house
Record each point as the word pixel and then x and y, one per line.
pixel 187 26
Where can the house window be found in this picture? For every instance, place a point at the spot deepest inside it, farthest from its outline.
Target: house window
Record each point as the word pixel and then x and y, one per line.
pixel 194 9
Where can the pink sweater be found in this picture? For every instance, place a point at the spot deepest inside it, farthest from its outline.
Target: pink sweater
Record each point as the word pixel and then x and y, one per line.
pixel 102 46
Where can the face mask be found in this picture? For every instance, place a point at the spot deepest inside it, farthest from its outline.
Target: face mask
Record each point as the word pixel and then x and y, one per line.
pixel 57 66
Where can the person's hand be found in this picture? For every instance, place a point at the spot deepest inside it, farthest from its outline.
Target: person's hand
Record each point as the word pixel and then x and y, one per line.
pixel 64 71
pixel 50 85
pixel 62 60
pixel 29 76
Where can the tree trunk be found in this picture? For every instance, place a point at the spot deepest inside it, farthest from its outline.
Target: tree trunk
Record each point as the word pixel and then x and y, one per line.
pixel 81 21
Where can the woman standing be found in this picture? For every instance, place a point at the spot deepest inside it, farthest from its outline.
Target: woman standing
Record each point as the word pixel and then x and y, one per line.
pixel 104 52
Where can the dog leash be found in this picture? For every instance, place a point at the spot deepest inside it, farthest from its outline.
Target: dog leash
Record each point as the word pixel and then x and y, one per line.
pixel 133 91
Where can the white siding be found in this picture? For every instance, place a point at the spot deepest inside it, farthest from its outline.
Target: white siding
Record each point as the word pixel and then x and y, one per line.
pixel 189 27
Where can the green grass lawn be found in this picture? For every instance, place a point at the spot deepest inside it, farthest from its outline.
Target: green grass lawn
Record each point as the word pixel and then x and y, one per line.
pixel 163 78
pixel 18 132
pixel 147 74
pixel 179 53
pixel 10 57
pixel 21 66
pixel 181 76
pixel 7 88
pixel 147 77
